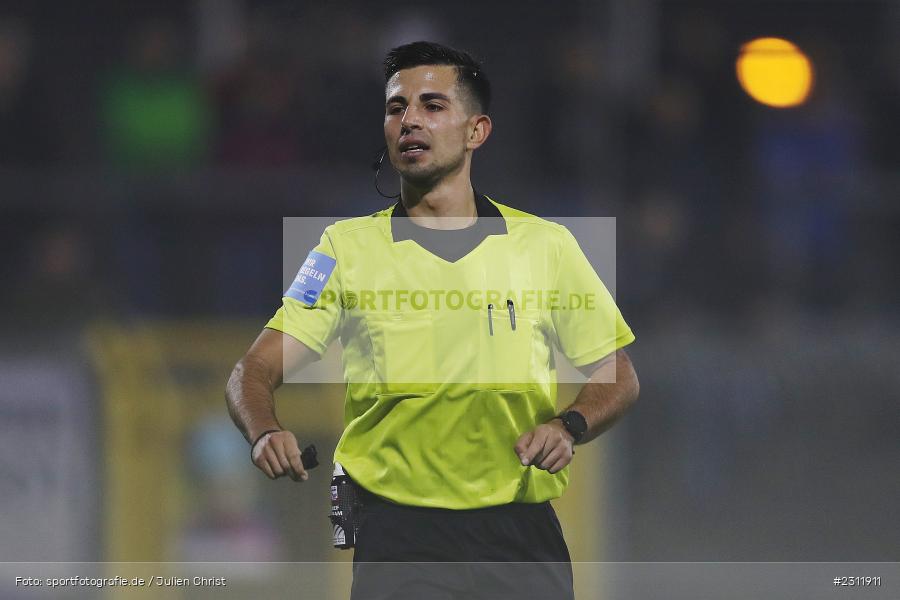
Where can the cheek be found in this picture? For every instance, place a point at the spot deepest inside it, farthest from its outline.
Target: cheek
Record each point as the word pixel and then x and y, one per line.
pixel 391 133
pixel 459 140
pixel 460 132
pixel 452 136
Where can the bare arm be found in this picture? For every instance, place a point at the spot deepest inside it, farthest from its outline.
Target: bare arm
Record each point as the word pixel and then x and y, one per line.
pixel 549 446
pixel 249 395
pixel 602 404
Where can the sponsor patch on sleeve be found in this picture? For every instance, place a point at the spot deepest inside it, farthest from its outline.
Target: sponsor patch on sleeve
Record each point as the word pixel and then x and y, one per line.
pixel 311 278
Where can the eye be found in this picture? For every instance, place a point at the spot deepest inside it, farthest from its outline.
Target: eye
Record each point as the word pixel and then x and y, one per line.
pixel 431 106
pixel 394 109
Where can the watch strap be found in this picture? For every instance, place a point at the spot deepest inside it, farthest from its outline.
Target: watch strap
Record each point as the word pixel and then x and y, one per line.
pixel 566 419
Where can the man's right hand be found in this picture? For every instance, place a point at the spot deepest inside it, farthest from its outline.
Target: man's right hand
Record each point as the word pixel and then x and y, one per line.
pixel 277 454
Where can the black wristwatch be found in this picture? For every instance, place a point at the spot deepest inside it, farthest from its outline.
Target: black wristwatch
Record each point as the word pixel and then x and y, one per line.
pixel 575 424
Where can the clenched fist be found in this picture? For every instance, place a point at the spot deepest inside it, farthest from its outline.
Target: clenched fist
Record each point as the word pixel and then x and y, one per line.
pixel 277 454
pixel 548 446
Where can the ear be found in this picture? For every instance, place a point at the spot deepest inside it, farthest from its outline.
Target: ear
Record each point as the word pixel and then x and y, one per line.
pixel 479 129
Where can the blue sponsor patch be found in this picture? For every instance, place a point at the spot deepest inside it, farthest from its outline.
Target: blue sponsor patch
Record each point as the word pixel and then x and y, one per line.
pixel 311 278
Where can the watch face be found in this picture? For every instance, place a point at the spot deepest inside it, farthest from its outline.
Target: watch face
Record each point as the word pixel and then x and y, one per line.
pixel 575 423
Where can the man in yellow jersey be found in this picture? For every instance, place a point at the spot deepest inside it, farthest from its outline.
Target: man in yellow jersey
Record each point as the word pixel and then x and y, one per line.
pixel 448 306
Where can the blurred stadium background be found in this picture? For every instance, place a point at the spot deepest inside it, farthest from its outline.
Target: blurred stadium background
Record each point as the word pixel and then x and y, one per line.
pixel 148 152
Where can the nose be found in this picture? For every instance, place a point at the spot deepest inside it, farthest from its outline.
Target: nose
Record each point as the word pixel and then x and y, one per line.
pixel 410 120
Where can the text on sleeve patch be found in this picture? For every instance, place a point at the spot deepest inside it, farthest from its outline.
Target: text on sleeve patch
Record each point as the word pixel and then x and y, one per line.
pixel 311 278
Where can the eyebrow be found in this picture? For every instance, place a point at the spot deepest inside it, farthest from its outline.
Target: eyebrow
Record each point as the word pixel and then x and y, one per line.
pixel 422 97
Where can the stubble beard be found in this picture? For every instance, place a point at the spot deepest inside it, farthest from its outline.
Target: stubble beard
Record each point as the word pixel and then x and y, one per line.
pixel 429 176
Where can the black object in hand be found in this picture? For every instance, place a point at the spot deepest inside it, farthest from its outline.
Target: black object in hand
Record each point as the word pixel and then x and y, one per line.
pixel 308 457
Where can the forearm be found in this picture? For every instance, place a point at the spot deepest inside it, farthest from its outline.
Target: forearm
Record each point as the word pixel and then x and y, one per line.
pixel 250 399
pixel 602 404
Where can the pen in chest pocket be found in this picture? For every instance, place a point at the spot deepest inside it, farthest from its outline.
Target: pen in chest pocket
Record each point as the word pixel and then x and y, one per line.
pixel 490 319
pixel 512 316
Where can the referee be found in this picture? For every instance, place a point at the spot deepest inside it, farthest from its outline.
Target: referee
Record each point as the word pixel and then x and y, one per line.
pixel 448 306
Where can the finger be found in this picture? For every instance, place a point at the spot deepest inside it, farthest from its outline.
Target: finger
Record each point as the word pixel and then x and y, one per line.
pixel 560 464
pixel 272 458
pixel 550 457
pixel 263 465
pixel 535 447
pixel 522 443
pixel 293 455
pixel 283 462
pixel 545 456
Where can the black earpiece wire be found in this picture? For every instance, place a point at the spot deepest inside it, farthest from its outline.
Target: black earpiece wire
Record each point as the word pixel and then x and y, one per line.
pixel 376 166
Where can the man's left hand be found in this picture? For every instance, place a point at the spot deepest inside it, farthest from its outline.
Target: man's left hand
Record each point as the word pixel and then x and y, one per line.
pixel 548 446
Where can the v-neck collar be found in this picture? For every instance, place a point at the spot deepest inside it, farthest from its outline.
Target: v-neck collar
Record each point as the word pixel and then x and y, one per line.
pixel 402 227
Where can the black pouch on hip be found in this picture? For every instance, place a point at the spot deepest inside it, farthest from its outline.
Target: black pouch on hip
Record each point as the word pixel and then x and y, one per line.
pixel 345 505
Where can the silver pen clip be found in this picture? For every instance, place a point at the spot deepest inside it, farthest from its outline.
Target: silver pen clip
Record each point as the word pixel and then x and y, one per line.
pixel 512 314
pixel 490 319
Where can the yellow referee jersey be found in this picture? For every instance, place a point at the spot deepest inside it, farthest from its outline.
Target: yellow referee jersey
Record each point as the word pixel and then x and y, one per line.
pixel 447 363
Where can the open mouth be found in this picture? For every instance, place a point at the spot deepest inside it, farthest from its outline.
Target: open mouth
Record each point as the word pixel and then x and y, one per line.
pixel 412 149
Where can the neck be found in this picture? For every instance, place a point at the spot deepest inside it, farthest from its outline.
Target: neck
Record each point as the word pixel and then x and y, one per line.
pixel 449 204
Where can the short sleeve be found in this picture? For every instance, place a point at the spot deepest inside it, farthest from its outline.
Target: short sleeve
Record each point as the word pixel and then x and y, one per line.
pixel 311 309
pixel 586 320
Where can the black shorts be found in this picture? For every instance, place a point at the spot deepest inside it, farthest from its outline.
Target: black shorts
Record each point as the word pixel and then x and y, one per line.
pixel 514 551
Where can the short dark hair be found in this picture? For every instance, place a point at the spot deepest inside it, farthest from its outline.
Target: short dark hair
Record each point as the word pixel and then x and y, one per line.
pixel 470 75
